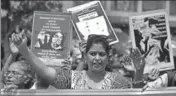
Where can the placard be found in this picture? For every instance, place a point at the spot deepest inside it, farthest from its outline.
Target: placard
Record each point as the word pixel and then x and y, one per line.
pixel 150 33
pixel 51 36
pixel 90 18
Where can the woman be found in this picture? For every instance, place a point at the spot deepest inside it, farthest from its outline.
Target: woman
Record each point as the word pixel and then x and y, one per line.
pixel 97 76
pixel 96 56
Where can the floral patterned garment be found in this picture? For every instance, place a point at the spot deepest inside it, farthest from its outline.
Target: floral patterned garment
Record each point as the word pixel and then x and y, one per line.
pixel 111 81
pixel 62 78
pixel 67 79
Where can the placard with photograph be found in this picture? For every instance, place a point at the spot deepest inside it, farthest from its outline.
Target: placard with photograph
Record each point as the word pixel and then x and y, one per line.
pixel 150 33
pixel 51 36
pixel 90 18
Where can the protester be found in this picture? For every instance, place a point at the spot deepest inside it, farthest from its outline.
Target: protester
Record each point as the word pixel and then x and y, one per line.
pixel 97 76
pixel 96 56
pixel 16 73
pixel 19 74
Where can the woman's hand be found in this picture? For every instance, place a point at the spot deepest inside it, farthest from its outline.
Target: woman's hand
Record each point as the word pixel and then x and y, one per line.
pixel 127 63
pixel 82 46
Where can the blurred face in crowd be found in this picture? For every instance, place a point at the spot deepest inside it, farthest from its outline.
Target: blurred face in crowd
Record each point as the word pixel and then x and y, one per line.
pixel 16 75
pixel 97 57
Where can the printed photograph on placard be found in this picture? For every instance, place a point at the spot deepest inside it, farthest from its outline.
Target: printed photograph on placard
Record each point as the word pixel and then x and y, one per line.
pixel 151 35
pixel 51 36
pixel 90 18
pixel 46 40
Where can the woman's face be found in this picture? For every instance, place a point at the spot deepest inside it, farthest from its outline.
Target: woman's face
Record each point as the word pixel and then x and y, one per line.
pixel 97 58
pixel 15 75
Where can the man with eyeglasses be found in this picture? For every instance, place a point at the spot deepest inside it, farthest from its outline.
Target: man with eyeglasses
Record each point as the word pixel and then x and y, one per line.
pixel 19 75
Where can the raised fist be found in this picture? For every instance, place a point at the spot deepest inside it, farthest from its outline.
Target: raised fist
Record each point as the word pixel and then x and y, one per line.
pixel 19 39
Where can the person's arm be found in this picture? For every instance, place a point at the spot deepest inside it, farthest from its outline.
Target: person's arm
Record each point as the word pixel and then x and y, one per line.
pixel 11 58
pixel 37 65
pixel 47 73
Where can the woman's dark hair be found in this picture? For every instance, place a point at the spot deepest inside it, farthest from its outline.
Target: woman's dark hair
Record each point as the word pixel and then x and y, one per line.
pixel 96 39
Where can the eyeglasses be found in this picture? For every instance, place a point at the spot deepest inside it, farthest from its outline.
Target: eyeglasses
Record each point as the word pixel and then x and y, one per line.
pixel 14 73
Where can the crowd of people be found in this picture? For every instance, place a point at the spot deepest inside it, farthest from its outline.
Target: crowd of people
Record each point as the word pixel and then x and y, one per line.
pixel 95 65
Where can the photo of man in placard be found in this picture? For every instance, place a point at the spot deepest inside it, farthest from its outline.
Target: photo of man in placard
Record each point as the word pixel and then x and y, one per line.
pixel 49 40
